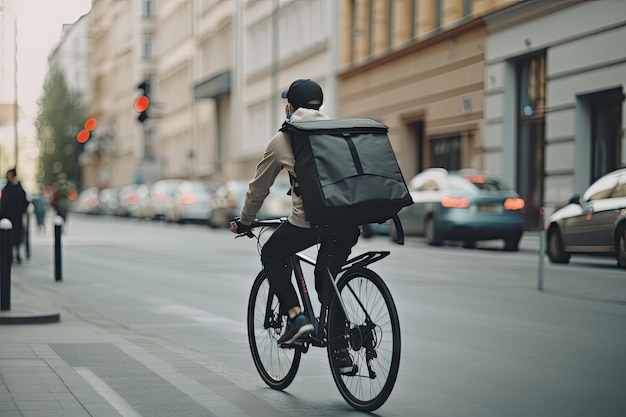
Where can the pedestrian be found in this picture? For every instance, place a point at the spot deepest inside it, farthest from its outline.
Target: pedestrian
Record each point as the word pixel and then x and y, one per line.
pixel 13 204
pixel 304 100
pixel 40 203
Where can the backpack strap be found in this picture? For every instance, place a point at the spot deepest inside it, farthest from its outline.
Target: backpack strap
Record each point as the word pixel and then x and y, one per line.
pixel 293 180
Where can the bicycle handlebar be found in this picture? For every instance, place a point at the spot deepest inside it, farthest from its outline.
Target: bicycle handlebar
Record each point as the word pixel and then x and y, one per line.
pixel 261 223
pixel 281 220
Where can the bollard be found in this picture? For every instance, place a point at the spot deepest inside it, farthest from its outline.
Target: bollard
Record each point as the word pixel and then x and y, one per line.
pixel 542 259
pixel 29 212
pixel 58 229
pixel 5 264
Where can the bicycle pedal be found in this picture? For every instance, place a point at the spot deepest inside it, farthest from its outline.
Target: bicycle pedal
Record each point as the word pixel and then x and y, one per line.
pixel 353 372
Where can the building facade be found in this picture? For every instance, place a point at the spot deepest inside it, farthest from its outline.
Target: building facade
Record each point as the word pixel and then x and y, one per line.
pixel 281 41
pixel 499 85
pixel 120 60
pixel 554 97
pixel 418 66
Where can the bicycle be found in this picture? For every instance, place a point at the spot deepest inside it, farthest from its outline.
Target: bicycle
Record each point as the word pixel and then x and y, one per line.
pixel 372 328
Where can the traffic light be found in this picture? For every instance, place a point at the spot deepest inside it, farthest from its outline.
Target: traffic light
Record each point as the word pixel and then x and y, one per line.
pixel 84 135
pixel 142 103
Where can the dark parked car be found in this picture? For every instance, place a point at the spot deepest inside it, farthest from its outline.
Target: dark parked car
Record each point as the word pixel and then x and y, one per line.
pixel 591 224
pixel 466 206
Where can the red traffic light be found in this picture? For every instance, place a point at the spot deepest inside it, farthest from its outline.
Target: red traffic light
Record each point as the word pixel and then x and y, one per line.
pixel 141 104
pixel 90 124
pixel 83 136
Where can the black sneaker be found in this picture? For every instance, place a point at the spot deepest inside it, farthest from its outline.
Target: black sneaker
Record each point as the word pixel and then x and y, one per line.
pixel 343 361
pixel 296 328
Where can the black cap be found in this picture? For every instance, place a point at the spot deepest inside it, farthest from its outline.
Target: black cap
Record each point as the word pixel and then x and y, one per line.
pixel 302 91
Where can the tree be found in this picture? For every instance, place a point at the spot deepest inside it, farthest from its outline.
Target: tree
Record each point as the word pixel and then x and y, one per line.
pixel 60 118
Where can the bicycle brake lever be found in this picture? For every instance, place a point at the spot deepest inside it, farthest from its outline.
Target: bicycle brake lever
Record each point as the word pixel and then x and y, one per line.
pixel 247 233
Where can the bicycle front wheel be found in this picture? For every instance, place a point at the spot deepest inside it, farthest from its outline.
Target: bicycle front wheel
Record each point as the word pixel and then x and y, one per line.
pixel 277 366
pixel 373 328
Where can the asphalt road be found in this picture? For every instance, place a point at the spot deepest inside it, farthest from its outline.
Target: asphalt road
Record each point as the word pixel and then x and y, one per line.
pixel 478 338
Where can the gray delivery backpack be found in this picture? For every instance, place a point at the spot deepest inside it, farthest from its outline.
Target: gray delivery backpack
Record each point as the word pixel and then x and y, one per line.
pixel 347 172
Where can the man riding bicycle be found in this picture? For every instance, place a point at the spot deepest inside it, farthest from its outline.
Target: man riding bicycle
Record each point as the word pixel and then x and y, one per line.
pixel 304 98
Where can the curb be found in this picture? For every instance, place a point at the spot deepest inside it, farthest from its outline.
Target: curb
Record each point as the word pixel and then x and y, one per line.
pixel 16 317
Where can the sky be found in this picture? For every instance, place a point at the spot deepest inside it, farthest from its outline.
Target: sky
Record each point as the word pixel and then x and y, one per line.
pixel 38 32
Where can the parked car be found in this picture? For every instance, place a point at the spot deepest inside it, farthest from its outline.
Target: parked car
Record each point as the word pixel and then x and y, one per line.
pixel 230 196
pixel 87 202
pixel 591 224
pixel 191 202
pixel 132 200
pixel 109 201
pixel 161 197
pixel 227 202
pixel 466 206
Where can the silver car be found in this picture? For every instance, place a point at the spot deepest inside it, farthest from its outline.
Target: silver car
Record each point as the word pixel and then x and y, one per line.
pixel 592 224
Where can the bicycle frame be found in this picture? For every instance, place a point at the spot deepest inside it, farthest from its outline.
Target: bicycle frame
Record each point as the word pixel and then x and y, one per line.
pixel 318 338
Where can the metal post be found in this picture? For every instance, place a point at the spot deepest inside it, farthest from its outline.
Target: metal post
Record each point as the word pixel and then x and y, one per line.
pixel 29 212
pixel 5 264
pixel 542 258
pixel 58 230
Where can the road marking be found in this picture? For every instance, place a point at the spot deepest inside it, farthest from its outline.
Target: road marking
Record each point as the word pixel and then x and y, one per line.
pixel 117 402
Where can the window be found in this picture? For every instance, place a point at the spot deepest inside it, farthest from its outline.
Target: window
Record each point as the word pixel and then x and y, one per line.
pixel 606 131
pixel 531 89
pixel 445 152
pixel 438 13
pixel 620 190
pixel 430 185
pixel 532 85
pixel 148 144
pixel 147 46
pixel 601 189
pixel 147 9
pixel 467 7
pixel 413 16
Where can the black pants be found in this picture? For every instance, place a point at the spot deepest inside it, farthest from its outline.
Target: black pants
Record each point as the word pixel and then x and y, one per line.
pixel 289 239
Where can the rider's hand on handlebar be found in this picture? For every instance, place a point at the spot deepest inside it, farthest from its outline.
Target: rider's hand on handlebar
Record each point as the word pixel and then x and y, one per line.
pixel 238 228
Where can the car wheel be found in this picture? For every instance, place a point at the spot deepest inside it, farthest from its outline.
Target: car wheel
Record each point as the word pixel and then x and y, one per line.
pixel 556 253
pixel 620 254
pixel 431 235
pixel 511 243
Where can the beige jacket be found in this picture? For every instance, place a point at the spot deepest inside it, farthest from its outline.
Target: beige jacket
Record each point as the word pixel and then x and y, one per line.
pixel 278 155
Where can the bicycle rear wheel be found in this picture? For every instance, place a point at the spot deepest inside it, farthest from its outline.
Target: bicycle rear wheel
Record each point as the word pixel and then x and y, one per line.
pixel 374 342
pixel 277 366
